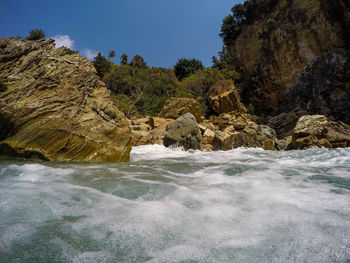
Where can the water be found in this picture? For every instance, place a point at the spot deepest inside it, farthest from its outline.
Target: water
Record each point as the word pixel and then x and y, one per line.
pixel 244 205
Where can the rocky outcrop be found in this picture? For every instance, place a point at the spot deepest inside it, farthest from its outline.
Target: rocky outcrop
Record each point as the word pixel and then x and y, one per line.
pixel 184 132
pixel 272 50
pixel 224 98
pixel 55 107
pixel 316 130
pixel 176 107
pixel 323 87
pixel 149 130
pixel 284 123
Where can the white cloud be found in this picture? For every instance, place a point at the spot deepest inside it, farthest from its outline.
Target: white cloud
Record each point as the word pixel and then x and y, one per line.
pixel 63 41
pixel 89 53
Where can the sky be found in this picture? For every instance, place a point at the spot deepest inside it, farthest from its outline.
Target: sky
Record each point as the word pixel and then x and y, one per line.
pixel 161 31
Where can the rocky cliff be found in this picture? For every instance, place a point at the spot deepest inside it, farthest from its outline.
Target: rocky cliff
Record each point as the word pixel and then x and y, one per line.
pixel 54 107
pixel 275 48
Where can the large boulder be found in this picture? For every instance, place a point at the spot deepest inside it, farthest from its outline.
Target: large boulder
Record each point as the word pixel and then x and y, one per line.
pixel 284 123
pixel 224 98
pixel 316 130
pixel 176 107
pixel 55 107
pixel 184 132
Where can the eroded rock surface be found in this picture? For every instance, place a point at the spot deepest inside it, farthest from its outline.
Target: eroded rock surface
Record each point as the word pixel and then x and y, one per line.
pixel 176 107
pixel 56 106
pixel 316 130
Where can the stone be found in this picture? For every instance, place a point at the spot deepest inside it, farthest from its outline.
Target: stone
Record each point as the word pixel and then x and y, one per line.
pixel 225 98
pixel 275 47
pixel 176 107
pixel 56 106
pixel 150 130
pixel 317 131
pixel 284 123
pixel 184 132
pixel 323 87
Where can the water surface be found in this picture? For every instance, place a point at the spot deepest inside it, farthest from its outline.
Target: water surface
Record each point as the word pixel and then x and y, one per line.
pixel 244 205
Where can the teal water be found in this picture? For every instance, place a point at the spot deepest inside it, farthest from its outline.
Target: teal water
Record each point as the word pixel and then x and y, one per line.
pixel 166 205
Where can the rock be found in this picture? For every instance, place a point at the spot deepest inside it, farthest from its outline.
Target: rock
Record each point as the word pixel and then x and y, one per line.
pixel 277 45
pixel 316 130
pixel 323 87
pixel 255 136
pixel 225 98
pixel 176 107
pixel 237 120
pixel 150 130
pixel 56 107
pixel 284 123
pixel 184 132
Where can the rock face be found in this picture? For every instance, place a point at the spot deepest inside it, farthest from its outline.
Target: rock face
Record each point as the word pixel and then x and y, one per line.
pixel 316 130
pixel 54 107
pixel 274 49
pixel 176 107
pixel 150 130
pixel 225 98
pixel 284 123
pixel 184 132
pixel 323 87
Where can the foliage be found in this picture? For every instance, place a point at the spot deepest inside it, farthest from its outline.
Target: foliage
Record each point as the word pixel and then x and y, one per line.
pixel 2 87
pixel 141 90
pixel 225 65
pixel 124 59
pixel 186 67
pixel 138 61
pixel 101 64
pixel 200 84
pixel 36 34
pixel 243 14
pixel 111 54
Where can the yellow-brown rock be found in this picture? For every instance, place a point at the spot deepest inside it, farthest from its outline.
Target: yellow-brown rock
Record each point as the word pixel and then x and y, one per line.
pixel 316 130
pixel 225 98
pixel 275 47
pixel 56 106
pixel 176 107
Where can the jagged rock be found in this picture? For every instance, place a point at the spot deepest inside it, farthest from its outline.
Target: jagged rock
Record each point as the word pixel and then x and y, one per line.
pixel 234 119
pixel 176 107
pixel 323 87
pixel 316 130
pixel 150 130
pixel 284 123
pixel 184 132
pixel 56 107
pixel 225 98
pixel 276 46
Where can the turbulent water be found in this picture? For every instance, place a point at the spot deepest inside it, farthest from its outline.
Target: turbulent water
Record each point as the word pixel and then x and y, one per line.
pixel 244 205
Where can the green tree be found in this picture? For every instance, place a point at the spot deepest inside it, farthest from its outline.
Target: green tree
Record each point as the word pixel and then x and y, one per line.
pixel 101 64
pixel 186 67
pixel 36 34
pixel 124 59
pixel 111 54
pixel 138 62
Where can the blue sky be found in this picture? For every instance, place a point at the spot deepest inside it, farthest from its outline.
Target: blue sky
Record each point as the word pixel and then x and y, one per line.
pixel 162 31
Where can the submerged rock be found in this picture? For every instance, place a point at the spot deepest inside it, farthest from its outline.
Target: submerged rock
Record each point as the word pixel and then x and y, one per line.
pixel 176 107
pixel 316 130
pixel 184 132
pixel 56 107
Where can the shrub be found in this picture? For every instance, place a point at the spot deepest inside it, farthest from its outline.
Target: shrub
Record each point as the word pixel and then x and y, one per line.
pixel 138 61
pixel 101 64
pixel 36 34
pixel 186 67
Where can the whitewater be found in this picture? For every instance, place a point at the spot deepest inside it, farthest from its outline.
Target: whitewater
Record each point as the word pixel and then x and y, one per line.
pixel 168 205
